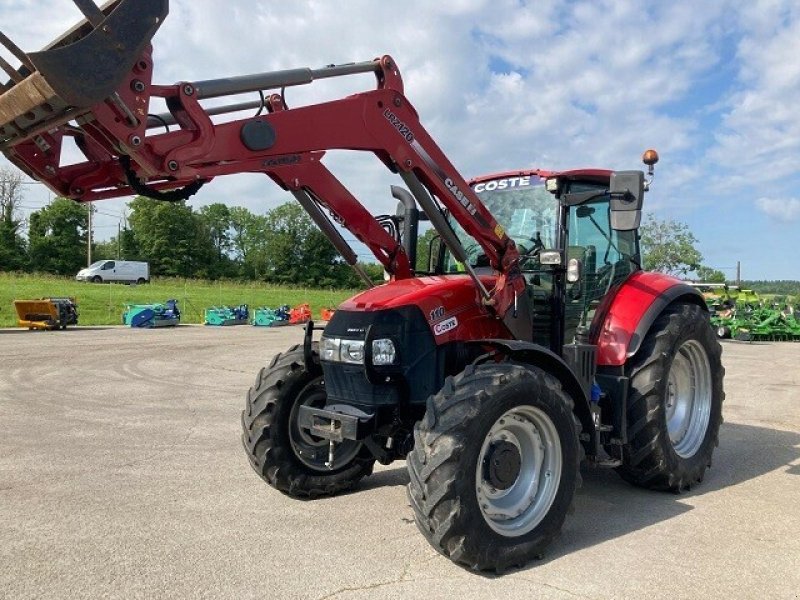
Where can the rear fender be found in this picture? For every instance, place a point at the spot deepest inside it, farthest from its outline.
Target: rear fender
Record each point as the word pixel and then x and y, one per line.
pixel 620 326
pixel 550 362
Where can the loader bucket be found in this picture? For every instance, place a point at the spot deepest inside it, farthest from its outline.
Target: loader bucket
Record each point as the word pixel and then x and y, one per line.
pixel 78 70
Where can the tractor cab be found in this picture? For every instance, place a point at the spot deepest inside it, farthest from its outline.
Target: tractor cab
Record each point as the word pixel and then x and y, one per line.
pixel 571 255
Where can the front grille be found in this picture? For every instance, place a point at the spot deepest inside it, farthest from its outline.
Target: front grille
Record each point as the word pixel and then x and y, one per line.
pixel 346 384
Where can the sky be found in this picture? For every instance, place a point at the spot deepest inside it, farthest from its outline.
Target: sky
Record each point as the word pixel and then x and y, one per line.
pixel 510 84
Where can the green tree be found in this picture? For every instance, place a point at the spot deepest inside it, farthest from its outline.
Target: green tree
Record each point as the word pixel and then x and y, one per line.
pixel 12 245
pixel 710 275
pixel 217 218
pixel 128 248
pixel 295 251
pixel 423 249
pixel 669 246
pixel 105 250
pixel 248 239
pixel 171 237
pixel 58 237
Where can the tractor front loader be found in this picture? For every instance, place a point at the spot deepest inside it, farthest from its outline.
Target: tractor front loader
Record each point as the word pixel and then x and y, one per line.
pixel 533 341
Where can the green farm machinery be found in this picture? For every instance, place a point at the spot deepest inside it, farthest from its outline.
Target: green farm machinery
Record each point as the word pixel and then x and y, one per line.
pixel 268 317
pixel 152 315
pixel 749 323
pixel 743 315
pixel 227 315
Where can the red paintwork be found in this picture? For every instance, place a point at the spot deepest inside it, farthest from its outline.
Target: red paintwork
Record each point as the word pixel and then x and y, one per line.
pixel 456 294
pixel 627 307
pixel 381 121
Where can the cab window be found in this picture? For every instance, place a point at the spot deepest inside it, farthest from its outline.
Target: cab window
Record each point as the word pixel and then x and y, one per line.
pixel 607 258
pixel 109 265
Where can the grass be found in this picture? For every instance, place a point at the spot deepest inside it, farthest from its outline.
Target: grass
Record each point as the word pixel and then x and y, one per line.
pixel 102 304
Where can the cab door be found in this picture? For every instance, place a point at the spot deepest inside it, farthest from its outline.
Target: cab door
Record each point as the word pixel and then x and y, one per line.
pixel 607 257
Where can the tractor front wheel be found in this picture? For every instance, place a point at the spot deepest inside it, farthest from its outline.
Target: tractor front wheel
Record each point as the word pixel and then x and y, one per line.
pixel 286 456
pixel 675 403
pixel 495 465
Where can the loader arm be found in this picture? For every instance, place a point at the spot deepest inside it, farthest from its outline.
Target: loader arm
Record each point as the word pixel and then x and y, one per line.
pixel 107 112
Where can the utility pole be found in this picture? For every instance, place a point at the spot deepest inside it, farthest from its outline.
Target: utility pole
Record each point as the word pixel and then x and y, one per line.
pixel 738 273
pixel 89 238
pixel 119 234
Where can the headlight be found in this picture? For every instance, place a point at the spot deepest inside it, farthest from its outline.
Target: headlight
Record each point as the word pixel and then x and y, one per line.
pixel 329 348
pixel 352 351
pixel 339 350
pixel 383 352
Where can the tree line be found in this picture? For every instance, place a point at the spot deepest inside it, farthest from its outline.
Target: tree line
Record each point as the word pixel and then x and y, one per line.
pixel 282 246
pixel 217 241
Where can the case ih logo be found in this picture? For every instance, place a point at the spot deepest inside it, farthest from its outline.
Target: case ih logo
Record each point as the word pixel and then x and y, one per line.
pixel 445 326
pixel 459 195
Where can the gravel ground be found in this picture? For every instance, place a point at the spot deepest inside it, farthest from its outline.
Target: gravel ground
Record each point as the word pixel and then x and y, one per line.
pixel 122 476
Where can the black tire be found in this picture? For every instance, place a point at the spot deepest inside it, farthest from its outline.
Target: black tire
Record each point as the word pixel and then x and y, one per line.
pixel 723 332
pixel 97 279
pixel 267 438
pixel 650 458
pixel 141 281
pixel 448 444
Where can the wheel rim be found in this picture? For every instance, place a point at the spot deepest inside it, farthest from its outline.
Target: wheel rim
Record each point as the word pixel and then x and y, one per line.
pixel 309 449
pixel 522 455
pixel 688 398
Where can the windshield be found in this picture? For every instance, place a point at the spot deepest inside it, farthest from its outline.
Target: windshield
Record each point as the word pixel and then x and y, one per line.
pixel 524 209
pixel 98 263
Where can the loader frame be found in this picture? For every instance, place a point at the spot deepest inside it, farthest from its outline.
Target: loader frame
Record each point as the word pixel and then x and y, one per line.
pixel 125 156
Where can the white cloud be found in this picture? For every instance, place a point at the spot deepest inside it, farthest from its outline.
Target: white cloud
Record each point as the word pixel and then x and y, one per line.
pixel 780 209
pixel 760 130
pixel 587 83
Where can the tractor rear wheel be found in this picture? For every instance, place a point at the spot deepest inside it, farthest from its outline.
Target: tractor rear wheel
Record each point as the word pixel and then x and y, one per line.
pixel 675 402
pixel 287 457
pixel 495 465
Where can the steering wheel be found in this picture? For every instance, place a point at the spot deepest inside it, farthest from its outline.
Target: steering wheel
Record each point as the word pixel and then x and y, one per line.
pixel 537 247
pixel 604 276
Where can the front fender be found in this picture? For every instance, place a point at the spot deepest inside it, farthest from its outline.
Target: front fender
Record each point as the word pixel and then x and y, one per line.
pixel 550 362
pixel 620 324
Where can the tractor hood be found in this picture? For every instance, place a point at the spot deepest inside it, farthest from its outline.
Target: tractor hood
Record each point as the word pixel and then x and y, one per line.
pixel 450 305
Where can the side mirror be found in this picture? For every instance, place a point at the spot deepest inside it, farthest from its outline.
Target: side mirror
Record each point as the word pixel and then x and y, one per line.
pixel 627 192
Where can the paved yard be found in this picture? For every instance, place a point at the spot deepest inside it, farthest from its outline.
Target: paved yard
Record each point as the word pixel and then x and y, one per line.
pixel 122 475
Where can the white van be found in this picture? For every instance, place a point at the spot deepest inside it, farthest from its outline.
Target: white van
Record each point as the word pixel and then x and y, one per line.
pixel 123 271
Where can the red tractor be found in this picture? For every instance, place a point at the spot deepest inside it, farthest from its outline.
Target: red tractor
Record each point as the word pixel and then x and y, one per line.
pixel 531 343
